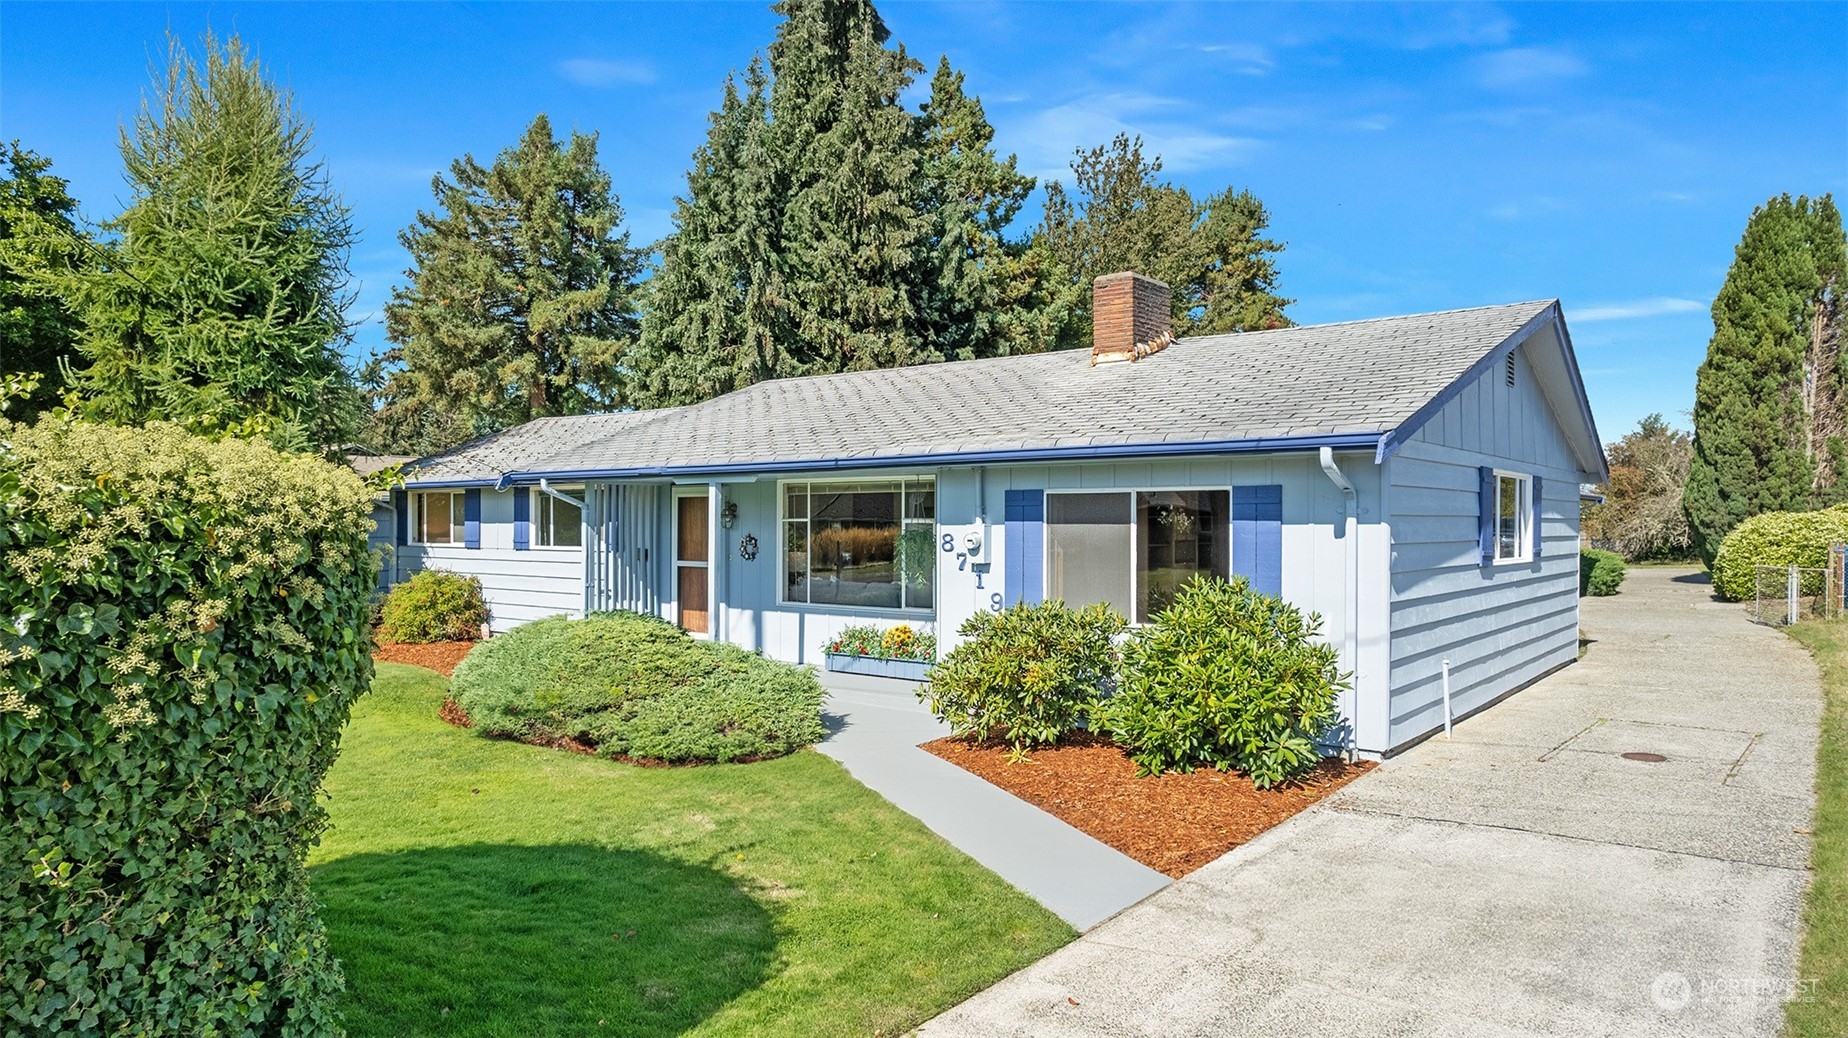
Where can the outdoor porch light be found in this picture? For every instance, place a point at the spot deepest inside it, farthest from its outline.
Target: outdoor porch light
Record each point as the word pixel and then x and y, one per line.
pixel 728 514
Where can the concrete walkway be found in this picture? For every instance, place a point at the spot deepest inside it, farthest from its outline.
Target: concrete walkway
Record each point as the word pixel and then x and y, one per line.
pixel 1519 879
pixel 875 726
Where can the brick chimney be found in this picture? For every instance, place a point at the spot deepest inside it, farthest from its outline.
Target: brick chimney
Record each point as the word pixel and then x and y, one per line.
pixel 1129 317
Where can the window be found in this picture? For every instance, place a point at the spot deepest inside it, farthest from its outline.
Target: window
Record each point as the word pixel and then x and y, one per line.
pixel 871 544
pixel 1133 551
pixel 439 518
pixel 1513 518
pixel 559 524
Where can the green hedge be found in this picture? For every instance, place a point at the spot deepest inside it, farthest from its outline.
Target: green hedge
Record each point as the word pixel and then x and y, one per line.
pixel 185 634
pixel 1030 673
pixel 635 686
pixel 1777 539
pixel 1226 677
pixel 435 605
pixel 1600 572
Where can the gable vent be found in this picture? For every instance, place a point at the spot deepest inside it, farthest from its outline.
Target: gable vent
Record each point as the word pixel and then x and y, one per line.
pixel 1510 369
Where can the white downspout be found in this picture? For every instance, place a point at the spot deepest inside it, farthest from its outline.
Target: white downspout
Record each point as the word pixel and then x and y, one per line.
pixel 1350 501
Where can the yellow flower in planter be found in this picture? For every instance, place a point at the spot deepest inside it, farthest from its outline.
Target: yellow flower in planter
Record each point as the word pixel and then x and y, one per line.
pixel 899 641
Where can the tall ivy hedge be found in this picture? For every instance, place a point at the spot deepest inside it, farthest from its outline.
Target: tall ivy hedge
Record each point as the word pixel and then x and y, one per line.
pixel 182 635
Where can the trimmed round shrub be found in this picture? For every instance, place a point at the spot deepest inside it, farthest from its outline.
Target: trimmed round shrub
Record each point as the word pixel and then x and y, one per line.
pixel 185 635
pixel 636 686
pixel 435 605
pixel 1029 674
pixel 1600 572
pixel 1226 678
pixel 1777 539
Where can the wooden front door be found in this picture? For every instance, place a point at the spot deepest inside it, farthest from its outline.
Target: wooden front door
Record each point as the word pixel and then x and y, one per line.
pixel 690 562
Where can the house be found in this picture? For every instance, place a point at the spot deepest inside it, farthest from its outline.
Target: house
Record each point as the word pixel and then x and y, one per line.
pixel 1414 480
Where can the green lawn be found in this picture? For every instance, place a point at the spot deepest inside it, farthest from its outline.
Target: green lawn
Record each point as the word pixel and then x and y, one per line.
pixel 1825 938
pixel 476 887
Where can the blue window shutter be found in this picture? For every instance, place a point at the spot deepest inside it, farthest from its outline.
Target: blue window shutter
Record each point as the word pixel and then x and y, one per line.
pixel 1025 531
pixel 522 519
pixel 1257 537
pixel 401 504
pixel 471 518
pixel 1539 513
pixel 1485 520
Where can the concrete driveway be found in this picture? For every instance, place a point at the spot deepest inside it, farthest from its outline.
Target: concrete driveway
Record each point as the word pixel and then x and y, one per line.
pixel 1521 878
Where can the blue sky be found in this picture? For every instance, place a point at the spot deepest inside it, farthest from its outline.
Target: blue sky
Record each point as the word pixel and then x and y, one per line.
pixel 1413 157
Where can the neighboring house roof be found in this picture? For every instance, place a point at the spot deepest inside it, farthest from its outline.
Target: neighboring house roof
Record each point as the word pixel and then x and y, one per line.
pixel 368 464
pixel 1353 385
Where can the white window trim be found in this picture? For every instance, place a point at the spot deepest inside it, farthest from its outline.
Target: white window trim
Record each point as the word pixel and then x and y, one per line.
pixel 1523 519
pixel 783 518
pixel 456 538
pixel 540 498
pixel 1135 535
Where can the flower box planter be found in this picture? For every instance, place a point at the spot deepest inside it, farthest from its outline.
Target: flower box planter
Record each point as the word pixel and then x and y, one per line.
pixel 879 666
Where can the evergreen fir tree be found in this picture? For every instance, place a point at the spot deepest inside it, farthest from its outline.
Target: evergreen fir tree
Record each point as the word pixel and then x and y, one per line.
pixel 854 227
pixel 38 235
pixel 522 297
pixel 1769 400
pixel 221 297
pixel 980 294
pixel 715 319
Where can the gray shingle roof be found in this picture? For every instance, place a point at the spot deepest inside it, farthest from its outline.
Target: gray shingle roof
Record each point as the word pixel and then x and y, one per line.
pixel 1358 377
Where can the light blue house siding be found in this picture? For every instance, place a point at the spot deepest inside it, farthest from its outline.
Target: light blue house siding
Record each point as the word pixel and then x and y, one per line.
pixel 1415 415
pixel 518 585
pixel 1499 625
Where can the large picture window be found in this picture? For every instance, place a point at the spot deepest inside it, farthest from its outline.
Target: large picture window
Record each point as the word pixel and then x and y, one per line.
pixel 560 523
pixel 1514 513
pixel 1133 551
pixel 869 544
pixel 439 518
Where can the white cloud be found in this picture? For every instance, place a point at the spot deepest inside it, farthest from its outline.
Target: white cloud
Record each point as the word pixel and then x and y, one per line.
pixel 1655 306
pixel 1046 140
pixel 1523 67
pixel 595 72
pixel 1247 59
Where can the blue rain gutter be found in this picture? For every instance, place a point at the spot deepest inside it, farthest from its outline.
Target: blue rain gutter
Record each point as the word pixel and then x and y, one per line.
pixel 1093 452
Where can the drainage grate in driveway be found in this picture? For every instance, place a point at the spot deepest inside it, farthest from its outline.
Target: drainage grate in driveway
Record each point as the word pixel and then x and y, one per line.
pixel 1651 758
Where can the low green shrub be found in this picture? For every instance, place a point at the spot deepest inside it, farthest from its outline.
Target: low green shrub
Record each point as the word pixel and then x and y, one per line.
pixel 1226 678
pixel 1600 572
pixel 1777 539
pixel 185 635
pixel 435 605
pixel 902 642
pixel 637 686
pixel 1030 673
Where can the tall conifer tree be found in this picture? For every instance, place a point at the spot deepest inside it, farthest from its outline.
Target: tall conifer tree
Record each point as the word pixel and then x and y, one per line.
pixel 38 235
pixel 522 302
pixel 1769 401
pixel 221 295
pixel 981 295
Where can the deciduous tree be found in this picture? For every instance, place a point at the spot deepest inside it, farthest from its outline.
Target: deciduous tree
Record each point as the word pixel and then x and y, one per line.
pixel 1642 515
pixel 38 234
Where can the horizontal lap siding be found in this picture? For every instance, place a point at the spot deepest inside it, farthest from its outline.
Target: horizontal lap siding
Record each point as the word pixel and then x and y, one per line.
pixel 519 585
pixel 1499 626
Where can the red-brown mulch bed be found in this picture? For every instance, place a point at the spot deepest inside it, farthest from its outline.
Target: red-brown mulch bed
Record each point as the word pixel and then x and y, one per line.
pixel 441 657
pixel 1172 823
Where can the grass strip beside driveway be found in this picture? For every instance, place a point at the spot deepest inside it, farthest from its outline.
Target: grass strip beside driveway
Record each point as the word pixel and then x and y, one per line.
pixel 475 887
pixel 1825 937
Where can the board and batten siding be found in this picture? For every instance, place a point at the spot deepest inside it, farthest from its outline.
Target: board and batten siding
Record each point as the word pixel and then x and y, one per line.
pixel 1500 626
pixel 519 585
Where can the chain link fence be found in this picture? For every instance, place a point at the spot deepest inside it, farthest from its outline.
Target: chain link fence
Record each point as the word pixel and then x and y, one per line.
pixel 1791 594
